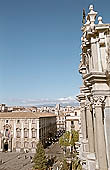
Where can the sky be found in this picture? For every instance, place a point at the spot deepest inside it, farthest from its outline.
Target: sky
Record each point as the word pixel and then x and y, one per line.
pixel 40 49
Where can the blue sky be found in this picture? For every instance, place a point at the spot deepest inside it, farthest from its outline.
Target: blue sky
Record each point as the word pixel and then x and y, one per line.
pixel 40 48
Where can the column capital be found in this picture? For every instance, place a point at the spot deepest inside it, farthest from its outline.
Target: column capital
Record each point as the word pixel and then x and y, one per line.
pixel 99 100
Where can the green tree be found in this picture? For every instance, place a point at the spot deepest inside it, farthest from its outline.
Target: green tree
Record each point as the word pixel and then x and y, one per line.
pixel 76 164
pixel 69 138
pixel 40 158
pixel 64 165
pixel 64 140
pixel 74 137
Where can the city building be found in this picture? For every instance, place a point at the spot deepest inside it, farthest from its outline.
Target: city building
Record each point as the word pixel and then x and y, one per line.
pixel 20 131
pixel 73 120
pixel 3 108
pixel 61 120
pixel 94 95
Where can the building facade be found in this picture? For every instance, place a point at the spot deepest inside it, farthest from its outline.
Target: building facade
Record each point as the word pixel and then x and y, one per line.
pixel 21 131
pixel 73 120
pixel 95 93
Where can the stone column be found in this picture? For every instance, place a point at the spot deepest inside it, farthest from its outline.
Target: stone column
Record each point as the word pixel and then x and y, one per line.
pixel 101 148
pixel 90 129
pixel 95 137
pixel 107 128
pixel 83 122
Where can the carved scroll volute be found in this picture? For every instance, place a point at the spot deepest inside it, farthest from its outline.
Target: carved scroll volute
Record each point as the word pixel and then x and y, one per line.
pixel 99 101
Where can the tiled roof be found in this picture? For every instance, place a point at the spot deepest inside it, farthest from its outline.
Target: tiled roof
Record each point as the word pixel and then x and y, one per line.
pixel 21 115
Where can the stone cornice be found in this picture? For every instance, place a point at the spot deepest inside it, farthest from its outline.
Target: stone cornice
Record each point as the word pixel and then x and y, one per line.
pixel 95 77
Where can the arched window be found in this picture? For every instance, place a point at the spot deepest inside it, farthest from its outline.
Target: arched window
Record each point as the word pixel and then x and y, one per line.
pixel 6 132
pixel 33 145
pixel 75 113
pixel 25 133
pixel 33 133
pixel 18 133
pixel 25 144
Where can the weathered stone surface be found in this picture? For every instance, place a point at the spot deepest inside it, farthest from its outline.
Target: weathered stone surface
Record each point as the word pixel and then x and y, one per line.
pixel 94 95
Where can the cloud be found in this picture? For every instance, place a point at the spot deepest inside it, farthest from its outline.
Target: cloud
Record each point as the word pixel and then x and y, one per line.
pixel 44 101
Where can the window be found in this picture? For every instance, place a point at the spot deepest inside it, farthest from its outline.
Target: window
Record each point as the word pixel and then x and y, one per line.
pixel 33 133
pixel 25 133
pixel 6 133
pixel 25 144
pixel 33 121
pixel 18 121
pixel 33 144
pixel 72 122
pixel 18 133
pixel 75 113
pixel 6 121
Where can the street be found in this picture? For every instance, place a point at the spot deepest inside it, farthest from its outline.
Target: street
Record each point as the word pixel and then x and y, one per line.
pixel 22 161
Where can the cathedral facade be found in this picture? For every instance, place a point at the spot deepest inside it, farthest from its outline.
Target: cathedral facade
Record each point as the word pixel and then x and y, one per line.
pixel 94 95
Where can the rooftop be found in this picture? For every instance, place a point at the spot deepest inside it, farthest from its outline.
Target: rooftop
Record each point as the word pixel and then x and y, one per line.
pixel 24 115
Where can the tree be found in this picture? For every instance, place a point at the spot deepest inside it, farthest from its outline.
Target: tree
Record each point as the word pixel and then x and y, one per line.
pixel 74 137
pixel 40 158
pixel 76 164
pixel 69 138
pixel 64 165
pixel 64 140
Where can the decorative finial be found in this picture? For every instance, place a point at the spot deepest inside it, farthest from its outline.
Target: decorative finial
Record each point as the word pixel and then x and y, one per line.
pixel 100 20
pixel 91 7
pixel 92 15
pixel 84 17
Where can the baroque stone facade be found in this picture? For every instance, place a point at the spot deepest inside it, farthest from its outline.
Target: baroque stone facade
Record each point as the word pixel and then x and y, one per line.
pixel 94 95
pixel 20 131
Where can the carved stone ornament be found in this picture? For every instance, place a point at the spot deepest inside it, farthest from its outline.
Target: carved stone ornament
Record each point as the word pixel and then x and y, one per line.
pixel 99 100
pixel 108 57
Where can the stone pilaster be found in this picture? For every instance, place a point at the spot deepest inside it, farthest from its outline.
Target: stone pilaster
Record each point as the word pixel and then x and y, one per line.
pixel 90 129
pixel 83 122
pixel 38 128
pixel 107 128
pixel 14 132
pixel 22 135
pixel 14 136
pixel 30 135
pixel 101 148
